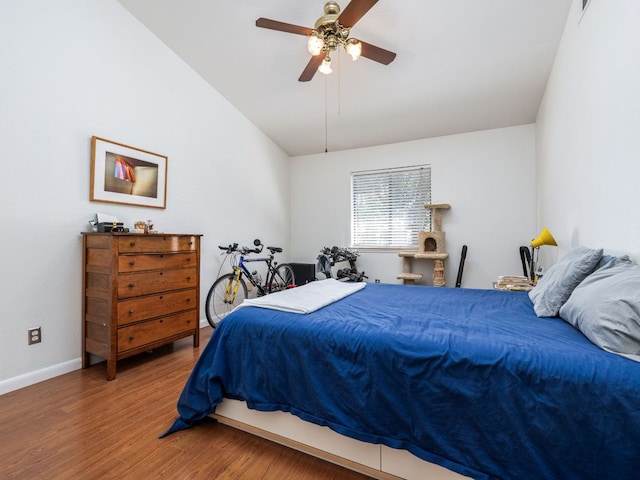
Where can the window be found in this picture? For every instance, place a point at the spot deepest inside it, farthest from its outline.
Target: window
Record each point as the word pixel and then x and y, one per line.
pixel 387 207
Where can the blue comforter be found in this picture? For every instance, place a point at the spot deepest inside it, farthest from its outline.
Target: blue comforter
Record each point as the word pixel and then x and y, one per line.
pixel 468 379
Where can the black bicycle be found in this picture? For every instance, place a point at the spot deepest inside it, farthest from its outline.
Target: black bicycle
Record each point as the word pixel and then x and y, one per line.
pixel 230 289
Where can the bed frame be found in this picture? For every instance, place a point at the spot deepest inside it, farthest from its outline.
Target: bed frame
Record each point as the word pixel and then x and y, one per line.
pixel 377 461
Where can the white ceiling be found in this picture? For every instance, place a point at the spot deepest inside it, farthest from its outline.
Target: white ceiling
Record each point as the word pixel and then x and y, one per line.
pixel 461 65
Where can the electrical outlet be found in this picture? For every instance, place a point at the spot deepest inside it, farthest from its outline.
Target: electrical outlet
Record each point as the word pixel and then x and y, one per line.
pixel 377 280
pixel 35 335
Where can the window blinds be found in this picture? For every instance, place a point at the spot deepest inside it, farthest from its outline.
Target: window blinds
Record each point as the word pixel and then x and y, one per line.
pixel 387 206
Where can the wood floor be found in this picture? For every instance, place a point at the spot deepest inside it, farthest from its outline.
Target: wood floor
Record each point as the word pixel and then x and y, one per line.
pixel 79 426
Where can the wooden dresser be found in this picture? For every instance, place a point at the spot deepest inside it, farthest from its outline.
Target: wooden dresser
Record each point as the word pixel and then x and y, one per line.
pixel 139 292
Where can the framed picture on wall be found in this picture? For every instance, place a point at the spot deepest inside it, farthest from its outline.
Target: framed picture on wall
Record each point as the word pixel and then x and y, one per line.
pixel 124 174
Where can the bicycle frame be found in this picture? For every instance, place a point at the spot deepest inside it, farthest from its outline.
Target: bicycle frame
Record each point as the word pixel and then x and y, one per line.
pixel 247 273
pixel 241 269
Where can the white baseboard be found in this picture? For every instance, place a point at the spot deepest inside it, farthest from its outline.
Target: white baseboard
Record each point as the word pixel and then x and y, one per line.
pixel 37 376
pixel 26 379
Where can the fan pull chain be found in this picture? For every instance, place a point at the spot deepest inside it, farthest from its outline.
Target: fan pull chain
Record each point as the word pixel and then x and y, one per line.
pixel 339 84
pixel 326 122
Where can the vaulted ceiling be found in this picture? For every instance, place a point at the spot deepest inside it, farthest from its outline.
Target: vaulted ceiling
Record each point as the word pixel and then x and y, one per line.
pixel 461 66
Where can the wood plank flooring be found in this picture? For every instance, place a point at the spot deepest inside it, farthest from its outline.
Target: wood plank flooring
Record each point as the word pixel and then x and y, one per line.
pixel 79 426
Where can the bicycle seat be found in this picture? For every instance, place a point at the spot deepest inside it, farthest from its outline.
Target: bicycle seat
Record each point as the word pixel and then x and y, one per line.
pixel 275 249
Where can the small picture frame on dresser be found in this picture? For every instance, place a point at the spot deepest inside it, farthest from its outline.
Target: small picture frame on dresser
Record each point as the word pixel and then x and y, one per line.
pixel 124 174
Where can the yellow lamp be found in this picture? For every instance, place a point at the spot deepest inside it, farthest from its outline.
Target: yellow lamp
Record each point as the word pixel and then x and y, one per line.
pixel 545 238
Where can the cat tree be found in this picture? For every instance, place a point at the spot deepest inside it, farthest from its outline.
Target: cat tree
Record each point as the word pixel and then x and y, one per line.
pixel 431 246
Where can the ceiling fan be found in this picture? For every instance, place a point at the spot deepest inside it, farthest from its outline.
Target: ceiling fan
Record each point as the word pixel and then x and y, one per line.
pixel 331 31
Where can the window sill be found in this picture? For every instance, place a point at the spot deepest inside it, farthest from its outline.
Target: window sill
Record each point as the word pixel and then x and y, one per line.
pixel 384 249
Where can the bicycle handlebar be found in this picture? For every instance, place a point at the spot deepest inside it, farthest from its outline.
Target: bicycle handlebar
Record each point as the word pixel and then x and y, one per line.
pixel 245 250
pixel 229 248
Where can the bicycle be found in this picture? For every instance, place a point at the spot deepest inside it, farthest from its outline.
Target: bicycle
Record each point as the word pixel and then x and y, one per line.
pixel 230 289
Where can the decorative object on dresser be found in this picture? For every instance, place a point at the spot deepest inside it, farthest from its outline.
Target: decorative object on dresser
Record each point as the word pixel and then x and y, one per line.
pixel 431 246
pixel 139 292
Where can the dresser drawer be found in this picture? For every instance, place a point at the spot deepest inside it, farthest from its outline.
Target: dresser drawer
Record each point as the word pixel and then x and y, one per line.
pixel 157 243
pixel 155 261
pixel 141 334
pixel 146 283
pixel 142 308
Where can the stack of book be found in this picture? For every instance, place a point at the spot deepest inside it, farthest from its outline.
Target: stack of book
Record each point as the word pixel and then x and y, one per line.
pixel 513 283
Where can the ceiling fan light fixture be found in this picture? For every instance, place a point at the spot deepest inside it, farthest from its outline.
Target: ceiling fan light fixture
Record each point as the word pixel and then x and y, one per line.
pixel 315 44
pixel 354 48
pixel 331 32
pixel 325 66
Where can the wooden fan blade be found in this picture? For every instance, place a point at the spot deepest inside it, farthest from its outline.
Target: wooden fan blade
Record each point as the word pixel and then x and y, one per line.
pixel 377 54
pixel 311 68
pixel 283 27
pixel 355 11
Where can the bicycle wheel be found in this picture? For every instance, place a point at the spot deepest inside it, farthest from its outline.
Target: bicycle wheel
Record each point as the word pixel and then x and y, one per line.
pixel 224 295
pixel 282 278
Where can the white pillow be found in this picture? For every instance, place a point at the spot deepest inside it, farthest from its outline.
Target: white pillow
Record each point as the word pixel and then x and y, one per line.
pixel 555 287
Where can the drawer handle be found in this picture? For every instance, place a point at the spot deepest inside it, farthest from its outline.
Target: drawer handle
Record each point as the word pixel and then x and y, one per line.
pixel 161 320
pixel 188 322
pixel 188 259
pixel 161 273
pixel 131 337
pixel 132 244
pixel 131 311
pixel 161 256
pixel 161 297
pixel 188 300
pixel 131 285
pixel 132 263
pixel 189 279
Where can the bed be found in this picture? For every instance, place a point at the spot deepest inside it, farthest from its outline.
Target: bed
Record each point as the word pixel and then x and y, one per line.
pixel 470 380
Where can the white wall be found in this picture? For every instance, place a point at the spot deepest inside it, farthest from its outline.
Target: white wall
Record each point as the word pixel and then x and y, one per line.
pixel 488 178
pixel 72 69
pixel 588 132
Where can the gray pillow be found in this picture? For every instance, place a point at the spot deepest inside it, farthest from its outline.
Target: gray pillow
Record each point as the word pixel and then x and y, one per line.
pixel 608 261
pixel 555 287
pixel 605 307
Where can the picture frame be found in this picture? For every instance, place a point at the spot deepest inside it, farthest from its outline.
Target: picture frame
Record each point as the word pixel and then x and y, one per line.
pixel 124 174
